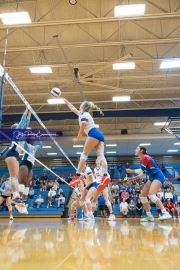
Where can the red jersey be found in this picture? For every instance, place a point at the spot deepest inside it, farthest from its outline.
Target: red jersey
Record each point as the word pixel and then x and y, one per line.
pixel 169 205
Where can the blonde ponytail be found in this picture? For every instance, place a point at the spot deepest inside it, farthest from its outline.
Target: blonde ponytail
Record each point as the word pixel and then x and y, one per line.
pixel 88 105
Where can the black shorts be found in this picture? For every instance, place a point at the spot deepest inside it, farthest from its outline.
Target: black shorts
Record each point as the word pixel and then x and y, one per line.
pixel 4 197
pixel 26 163
pixel 101 207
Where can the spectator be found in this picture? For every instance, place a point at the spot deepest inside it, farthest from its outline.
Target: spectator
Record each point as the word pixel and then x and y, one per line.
pixel 139 207
pixel 119 168
pixel 133 196
pixel 44 185
pixel 132 209
pixel 50 201
pixel 56 185
pixel 3 179
pixel 168 195
pixel 137 188
pixel 101 205
pixel 176 209
pixel 124 208
pixel 31 193
pixel 121 189
pixel 169 206
pixel 178 199
pixel 125 195
pixel 35 177
pixel 112 169
pixel 38 202
pixel 114 187
pixel 61 192
pixel 70 178
pixel 61 200
pixel 63 177
pixel 52 192
pixel 38 183
pixel 178 179
pixel 50 184
pixel 130 189
pixel 115 197
pixel 127 167
pixel 58 179
pixel 44 177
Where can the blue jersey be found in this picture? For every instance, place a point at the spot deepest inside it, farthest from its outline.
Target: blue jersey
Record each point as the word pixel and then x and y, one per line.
pixel 149 165
pixel 101 200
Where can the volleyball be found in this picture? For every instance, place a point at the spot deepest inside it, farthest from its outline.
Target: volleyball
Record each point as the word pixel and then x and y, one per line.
pixel 55 92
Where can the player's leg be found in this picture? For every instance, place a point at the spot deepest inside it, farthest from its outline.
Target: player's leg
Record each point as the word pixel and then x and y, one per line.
pixel 8 203
pixel 144 200
pixel 23 174
pixel 108 203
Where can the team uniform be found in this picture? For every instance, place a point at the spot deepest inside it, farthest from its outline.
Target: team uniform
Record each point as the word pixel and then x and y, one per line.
pixel 85 177
pixel 149 165
pixel 91 128
pixel 5 190
pixel 28 160
pixel 14 150
pixel 98 174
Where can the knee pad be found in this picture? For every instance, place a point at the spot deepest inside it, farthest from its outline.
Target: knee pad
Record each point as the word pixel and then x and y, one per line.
pixel 83 157
pixel 107 203
pixel 93 204
pixel 81 203
pixel 153 198
pixel 14 181
pixel 21 188
pixel 100 158
pixel 87 201
pixel 144 200
pixel 26 191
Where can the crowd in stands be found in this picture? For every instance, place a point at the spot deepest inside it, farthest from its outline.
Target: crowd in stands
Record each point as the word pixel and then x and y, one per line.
pixel 55 194
pixel 128 198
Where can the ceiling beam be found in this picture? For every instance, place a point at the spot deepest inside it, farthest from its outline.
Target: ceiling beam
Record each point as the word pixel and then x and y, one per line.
pixel 157 16
pixel 95 44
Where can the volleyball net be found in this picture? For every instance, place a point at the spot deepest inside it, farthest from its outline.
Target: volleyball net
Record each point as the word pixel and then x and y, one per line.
pixel 12 99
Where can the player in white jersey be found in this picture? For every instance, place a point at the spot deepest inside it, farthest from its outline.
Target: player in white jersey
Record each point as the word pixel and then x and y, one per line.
pixel 95 140
pixel 25 167
pixel 98 176
pixel 11 159
pixel 77 203
pixel 89 191
pixel 5 194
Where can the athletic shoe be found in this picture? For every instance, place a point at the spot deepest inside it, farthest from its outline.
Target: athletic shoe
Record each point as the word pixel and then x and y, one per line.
pixel 11 217
pixel 71 218
pixel 83 218
pixel 75 181
pixel 22 210
pixel 89 218
pixel 165 216
pixel 111 217
pixel 18 201
pixel 147 218
pixel 103 183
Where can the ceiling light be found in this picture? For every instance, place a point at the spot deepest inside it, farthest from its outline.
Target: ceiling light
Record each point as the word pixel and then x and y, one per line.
pixel 122 98
pixel 128 10
pixel 40 70
pixel 57 158
pixel 46 146
pixel 108 145
pixel 78 145
pixel 128 65
pixel 161 124
pixel 167 156
pixel 170 64
pixel 73 2
pixel 21 154
pixel 111 152
pixel 51 154
pixel 172 150
pixel 55 101
pixel 145 144
pixel 79 153
pixel 15 18
pixel 176 143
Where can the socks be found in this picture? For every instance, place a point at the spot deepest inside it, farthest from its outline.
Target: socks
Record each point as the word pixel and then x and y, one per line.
pixel 148 213
pixel 163 210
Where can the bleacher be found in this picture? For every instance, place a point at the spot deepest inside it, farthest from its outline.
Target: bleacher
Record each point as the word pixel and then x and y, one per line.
pixel 44 211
